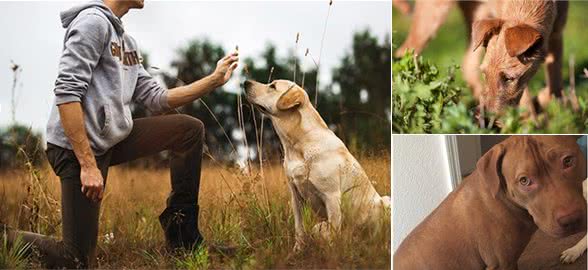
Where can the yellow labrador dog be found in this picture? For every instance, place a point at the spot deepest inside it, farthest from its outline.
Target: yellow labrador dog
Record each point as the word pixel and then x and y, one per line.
pixel 320 169
pixel 572 254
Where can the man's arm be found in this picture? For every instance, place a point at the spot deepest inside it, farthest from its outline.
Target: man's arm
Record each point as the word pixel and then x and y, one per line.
pixel 72 120
pixel 182 95
pixel 85 41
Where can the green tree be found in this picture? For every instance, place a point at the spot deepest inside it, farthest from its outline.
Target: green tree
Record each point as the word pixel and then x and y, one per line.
pixel 363 78
pixel 194 62
pixel 19 144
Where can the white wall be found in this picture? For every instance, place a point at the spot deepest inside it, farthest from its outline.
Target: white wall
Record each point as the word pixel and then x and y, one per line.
pixel 420 180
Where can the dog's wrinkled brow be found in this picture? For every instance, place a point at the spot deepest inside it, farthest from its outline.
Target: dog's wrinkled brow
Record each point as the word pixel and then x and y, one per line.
pixel 291 86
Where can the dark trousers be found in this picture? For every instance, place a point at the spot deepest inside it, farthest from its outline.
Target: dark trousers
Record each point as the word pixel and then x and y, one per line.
pixel 181 134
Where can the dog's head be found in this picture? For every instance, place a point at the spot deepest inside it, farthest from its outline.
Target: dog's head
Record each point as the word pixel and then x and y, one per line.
pixel 514 52
pixel 277 98
pixel 543 175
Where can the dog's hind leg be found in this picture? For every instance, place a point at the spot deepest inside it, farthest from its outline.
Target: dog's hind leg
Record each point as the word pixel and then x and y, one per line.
pixel 428 16
pixel 325 228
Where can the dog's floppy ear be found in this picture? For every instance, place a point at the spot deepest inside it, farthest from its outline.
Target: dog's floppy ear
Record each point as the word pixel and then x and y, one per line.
pixel 483 30
pixel 489 167
pixel 519 39
pixel 292 98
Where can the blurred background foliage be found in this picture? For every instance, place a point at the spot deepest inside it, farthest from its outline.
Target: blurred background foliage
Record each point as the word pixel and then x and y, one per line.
pixel 355 103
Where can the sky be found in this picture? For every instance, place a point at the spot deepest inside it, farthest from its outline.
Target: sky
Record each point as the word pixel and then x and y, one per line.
pixel 32 37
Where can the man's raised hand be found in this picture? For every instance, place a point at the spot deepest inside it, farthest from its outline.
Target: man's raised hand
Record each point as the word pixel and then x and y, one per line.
pixel 225 67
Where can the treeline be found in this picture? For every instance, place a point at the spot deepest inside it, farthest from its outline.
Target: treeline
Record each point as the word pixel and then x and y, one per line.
pixel 355 104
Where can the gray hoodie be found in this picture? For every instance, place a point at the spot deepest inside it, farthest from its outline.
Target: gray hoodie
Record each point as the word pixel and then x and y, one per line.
pixel 100 67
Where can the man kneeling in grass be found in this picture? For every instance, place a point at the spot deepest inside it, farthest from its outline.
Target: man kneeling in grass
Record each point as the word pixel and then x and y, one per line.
pixel 91 128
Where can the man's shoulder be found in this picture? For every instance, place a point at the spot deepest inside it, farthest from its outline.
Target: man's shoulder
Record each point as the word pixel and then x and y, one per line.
pixel 91 17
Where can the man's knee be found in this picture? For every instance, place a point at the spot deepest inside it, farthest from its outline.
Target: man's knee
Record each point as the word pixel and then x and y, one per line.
pixel 193 128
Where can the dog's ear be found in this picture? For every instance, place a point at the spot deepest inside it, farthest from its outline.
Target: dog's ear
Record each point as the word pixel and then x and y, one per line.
pixel 483 30
pixel 290 99
pixel 489 167
pixel 520 39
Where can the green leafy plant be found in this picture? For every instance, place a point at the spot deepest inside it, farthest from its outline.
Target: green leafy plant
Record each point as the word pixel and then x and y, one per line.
pixel 425 101
pixel 197 259
pixel 421 94
pixel 15 255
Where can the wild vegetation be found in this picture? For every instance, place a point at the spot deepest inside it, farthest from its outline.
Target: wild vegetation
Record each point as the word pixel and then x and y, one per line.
pixel 248 211
pixel 428 100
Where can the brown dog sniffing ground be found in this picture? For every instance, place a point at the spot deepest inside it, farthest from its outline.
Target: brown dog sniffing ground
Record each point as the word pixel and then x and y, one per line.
pixel 518 36
pixel 521 184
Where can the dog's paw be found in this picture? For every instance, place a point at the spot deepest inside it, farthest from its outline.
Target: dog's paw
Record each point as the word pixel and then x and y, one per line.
pixel 386 202
pixel 322 229
pixel 298 246
pixel 571 255
pixel 544 98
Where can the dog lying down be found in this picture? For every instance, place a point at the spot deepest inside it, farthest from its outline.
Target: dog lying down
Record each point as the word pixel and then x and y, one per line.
pixel 320 169
pixel 572 254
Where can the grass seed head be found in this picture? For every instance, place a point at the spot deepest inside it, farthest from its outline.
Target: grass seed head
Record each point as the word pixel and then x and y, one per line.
pixel 14 66
pixel 246 69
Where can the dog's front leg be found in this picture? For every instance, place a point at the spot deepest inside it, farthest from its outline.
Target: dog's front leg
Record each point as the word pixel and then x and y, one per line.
pixel 527 103
pixel 297 210
pixel 473 11
pixel 553 76
pixel 428 16
pixel 333 205
pixel 572 254
pixel 554 58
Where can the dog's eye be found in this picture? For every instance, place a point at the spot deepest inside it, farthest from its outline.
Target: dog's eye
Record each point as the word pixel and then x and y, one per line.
pixel 508 79
pixel 568 161
pixel 525 181
pixel 272 86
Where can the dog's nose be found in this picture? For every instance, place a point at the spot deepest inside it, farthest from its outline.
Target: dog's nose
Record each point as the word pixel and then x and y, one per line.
pixel 569 220
pixel 247 84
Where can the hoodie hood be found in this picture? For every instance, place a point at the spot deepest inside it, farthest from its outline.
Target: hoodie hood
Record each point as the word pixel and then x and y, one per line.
pixel 69 15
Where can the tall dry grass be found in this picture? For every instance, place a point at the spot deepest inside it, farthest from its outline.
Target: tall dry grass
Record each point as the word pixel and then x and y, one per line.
pixel 248 211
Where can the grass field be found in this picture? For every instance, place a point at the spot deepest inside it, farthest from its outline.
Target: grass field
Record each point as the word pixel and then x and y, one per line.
pixel 251 212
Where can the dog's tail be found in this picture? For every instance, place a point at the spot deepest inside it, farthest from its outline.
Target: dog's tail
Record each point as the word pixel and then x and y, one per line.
pixel 386 202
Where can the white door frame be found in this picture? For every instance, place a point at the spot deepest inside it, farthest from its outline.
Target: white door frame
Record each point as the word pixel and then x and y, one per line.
pixel 452 148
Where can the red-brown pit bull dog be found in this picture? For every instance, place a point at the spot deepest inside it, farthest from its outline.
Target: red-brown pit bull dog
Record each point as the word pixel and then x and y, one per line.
pixel 518 35
pixel 521 184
